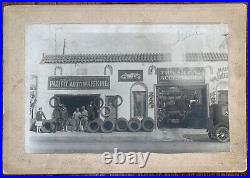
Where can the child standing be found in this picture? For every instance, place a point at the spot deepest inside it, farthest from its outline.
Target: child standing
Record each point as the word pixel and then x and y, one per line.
pixel 39 120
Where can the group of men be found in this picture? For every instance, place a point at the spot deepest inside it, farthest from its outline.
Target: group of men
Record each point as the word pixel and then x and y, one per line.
pixel 79 118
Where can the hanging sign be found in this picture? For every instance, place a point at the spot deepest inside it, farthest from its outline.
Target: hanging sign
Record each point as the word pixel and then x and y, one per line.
pixel 130 75
pixel 180 75
pixel 78 82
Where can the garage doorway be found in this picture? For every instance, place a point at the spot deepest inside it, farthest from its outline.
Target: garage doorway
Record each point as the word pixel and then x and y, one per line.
pixel 181 106
pixel 77 101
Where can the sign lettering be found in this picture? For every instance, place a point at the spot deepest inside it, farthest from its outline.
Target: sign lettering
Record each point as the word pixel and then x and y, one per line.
pixel 78 82
pixel 173 75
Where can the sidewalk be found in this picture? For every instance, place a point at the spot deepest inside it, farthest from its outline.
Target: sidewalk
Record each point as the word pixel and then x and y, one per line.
pixel 175 134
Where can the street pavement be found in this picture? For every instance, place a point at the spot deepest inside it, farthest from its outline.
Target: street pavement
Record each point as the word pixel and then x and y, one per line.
pixel 159 141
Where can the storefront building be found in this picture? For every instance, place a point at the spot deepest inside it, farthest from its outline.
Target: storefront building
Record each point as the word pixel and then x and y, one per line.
pixel 150 84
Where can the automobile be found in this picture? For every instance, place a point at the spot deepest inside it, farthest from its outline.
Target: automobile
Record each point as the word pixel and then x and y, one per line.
pixel 218 123
pixel 174 115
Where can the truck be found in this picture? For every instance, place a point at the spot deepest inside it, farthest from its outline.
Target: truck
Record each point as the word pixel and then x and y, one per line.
pixel 218 123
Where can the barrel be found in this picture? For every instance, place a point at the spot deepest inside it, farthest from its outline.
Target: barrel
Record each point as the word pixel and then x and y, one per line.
pixel 134 125
pixel 108 125
pixel 121 124
pixel 148 124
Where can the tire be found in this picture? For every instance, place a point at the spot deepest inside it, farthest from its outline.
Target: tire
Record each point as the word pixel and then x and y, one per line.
pixel 53 126
pixel 222 133
pixel 108 126
pixel 98 100
pixel 56 99
pixel 148 124
pixel 46 127
pixel 121 124
pixel 93 126
pixel 115 101
pixel 134 125
pixel 102 111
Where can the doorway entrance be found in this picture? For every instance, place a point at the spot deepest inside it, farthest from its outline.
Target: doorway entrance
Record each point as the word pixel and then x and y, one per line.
pixel 181 106
pixel 139 98
pixel 77 101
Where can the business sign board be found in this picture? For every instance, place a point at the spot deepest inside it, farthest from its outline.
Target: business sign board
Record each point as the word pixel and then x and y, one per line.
pixel 184 75
pixel 78 82
pixel 130 75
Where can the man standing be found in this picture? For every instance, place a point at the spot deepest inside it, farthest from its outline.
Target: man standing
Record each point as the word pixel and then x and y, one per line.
pixel 91 112
pixel 76 116
pixel 84 118
pixel 65 117
pixel 39 119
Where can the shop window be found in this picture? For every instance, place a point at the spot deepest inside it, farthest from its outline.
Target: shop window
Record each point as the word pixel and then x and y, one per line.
pixel 138 100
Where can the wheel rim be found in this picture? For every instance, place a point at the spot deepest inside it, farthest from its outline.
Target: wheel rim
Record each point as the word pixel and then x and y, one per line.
pixel 222 134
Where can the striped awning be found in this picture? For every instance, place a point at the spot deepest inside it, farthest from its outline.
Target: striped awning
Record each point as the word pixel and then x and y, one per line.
pixel 105 58
pixel 197 57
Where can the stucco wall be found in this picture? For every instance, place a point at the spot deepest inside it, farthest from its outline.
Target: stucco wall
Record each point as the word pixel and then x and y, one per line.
pixel 118 88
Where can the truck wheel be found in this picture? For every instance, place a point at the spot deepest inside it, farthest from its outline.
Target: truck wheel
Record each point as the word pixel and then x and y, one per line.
pixel 222 133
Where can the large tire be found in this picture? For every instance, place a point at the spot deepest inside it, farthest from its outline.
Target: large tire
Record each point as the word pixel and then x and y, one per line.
pixel 46 128
pixel 102 111
pixel 115 101
pixel 93 126
pixel 121 124
pixel 222 133
pixel 56 99
pixel 100 101
pixel 134 125
pixel 148 124
pixel 108 125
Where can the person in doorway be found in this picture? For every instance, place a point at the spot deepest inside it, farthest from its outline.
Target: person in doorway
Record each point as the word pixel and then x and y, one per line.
pixel 65 117
pixel 91 111
pixel 39 120
pixel 182 103
pixel 76 116
pixel 84 118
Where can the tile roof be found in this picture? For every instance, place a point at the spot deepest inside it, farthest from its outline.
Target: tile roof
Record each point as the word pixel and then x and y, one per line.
pixel 98 58
pixel 196 57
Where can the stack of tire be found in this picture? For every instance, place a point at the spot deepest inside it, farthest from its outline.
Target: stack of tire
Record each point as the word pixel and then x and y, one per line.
pixel 107 125
pixel 146 124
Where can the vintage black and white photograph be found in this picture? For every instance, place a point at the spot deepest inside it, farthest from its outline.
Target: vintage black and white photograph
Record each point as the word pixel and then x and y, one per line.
pixel 158 88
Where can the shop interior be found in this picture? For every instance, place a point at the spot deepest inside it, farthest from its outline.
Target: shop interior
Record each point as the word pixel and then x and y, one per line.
pixel 181 106
pixel 71 102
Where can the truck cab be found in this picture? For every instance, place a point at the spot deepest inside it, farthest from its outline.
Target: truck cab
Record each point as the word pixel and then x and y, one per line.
pixel 218 122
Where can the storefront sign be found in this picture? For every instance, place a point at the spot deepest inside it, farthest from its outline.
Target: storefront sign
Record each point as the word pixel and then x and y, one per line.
pixel 78 82
pixel 180 75
pixel 222 73
pixel 130 75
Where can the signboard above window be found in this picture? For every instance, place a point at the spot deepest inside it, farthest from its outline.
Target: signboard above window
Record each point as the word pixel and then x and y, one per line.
pixel 78 82
pixel 130 75
pixel 176 75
